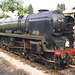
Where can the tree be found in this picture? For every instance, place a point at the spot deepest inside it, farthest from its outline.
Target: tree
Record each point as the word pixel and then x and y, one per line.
pixel 15 5
pixel 58 7
pixel 30 9
pixel 11 5
pixel 61 7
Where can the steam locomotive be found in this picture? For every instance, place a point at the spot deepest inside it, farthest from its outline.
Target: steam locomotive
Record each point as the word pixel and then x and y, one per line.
pixel 46 35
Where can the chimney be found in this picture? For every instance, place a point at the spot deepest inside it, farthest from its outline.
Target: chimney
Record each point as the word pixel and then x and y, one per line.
pixel 43 10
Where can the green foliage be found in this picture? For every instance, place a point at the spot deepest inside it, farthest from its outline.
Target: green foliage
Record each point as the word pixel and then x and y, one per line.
pixel 61 7
pixel 12 5
pixel 26 10
pixel 23 11
pixel 30 9
pixel 3 15
pixel 58 7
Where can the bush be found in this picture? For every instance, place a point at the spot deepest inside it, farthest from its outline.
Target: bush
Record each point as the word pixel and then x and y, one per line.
pixel 3 15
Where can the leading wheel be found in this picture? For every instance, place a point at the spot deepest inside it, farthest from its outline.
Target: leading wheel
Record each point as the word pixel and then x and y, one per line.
pixel 32 57
pixel 24 54
pixel 3 46
pixel 49 65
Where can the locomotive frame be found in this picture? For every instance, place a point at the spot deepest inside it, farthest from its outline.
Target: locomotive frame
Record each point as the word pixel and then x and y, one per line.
pixel 51 58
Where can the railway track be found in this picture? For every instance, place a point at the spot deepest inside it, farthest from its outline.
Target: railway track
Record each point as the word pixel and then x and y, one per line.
pixel 22 66
pixel 7 69
pixel 11 69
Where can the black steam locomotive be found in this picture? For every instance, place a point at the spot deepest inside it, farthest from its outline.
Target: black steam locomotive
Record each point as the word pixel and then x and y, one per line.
pixel 46 35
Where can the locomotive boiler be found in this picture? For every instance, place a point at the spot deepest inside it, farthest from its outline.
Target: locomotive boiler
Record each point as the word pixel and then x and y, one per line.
pixel 46 35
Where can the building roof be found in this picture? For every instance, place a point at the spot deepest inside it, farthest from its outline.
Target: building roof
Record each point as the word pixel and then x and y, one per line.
pixel 72 11
pixel 69 12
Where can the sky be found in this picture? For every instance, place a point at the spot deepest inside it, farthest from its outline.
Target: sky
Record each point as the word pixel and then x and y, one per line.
pixel 46 4
pixel 49 4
